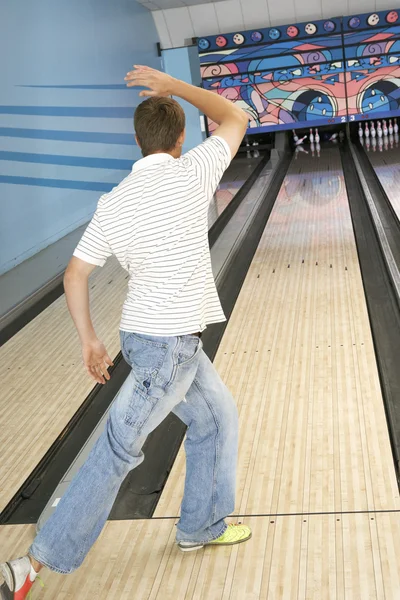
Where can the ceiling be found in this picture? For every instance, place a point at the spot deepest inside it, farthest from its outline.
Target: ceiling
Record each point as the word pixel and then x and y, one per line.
pixel 200 18
pixel 164 4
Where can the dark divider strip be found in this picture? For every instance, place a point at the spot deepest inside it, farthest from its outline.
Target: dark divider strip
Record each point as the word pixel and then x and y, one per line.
pixel 227 214
pixel 139 494
pixel 381 301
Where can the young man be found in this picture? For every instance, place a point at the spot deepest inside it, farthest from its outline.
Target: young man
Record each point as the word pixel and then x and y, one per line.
pixel 155 223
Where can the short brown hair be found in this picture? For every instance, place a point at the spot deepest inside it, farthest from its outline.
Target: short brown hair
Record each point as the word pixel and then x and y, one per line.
pixel 158 124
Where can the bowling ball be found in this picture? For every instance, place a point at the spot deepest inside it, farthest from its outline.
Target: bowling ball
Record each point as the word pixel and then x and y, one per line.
pixel 329 26
pixel 373 20
pixel 354 22
pixel 292 31
pixel 311 28
pixel 221 41
pixel 319 107
pixel 374 100
pixel 204 44
pixel 238 39
pixel 257 36
pixel 392 16
pixel 274 34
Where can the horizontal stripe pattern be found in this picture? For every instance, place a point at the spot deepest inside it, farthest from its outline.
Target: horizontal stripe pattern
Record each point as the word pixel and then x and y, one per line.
pixel 61 148
pixel 156 224
pixel 71 161
pixel 95 124
pixel 108 112
pixel 95 86
pixel 69 136
pixel 94 186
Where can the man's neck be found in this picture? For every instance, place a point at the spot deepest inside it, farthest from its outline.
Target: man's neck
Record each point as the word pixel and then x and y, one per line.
pixel 175 153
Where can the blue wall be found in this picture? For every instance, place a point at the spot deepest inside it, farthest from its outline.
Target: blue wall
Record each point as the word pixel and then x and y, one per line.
pixel 66 132
pixel 184 63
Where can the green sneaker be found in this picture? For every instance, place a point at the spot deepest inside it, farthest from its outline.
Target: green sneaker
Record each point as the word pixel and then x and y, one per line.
pixel 235 533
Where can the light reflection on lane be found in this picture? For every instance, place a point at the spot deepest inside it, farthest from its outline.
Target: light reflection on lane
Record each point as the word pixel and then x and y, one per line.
pixel 235 176
pixel 387 168
pixel 311 212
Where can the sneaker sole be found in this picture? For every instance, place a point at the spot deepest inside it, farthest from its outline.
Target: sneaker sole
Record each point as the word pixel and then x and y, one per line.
pixel 229 543
pixel 5 593
pixel 190 548
pixel 8 576
pixel 198 547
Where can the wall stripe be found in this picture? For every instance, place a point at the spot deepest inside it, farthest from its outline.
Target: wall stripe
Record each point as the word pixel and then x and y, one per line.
pixel 69 136
pixel 32 146
pixel 71 161
pixel 94 124
pixel 112 112
pixel 100 86
pixel 96 186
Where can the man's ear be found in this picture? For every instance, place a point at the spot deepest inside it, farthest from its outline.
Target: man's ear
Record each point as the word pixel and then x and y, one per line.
pixel 181 138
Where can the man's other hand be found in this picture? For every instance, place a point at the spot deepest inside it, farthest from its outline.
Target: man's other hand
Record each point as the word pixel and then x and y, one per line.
pixel 96 361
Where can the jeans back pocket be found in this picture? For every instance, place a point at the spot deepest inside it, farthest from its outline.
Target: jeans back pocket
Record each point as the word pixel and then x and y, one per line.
pixel 144 354
pixel 190 347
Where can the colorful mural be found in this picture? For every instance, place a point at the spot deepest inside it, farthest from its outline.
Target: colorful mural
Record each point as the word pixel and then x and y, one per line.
pixel 372 54
pixel 308 74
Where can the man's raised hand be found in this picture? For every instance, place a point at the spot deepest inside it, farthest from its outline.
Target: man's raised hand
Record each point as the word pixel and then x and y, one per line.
pixel 157 82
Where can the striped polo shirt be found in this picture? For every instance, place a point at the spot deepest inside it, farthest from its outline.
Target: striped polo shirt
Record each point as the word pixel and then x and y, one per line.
pixel 156 224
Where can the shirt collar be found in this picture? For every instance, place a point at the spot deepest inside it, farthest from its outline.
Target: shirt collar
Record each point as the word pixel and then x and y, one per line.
pixel 151 160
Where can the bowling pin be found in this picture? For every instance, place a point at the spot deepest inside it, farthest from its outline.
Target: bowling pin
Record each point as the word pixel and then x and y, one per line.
pixel 318 149
pixel 295 138
pixel 390 127
pixel 386 142
pixel 391 140
pixel 360 132
pixel 333 137
pixel 248 153
pixel 341 135
pixel 373 131
pixel 395 126
pixel 311 137
pixel 384 128
pixel 300 148
pixel 317 138
pixel 379 131
pixel 300 141
pixel 366 130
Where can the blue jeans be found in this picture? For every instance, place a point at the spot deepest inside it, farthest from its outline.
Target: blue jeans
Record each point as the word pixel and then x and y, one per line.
pixel 168 374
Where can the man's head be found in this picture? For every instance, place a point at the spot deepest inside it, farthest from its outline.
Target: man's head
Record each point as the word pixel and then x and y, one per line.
pixel 160 126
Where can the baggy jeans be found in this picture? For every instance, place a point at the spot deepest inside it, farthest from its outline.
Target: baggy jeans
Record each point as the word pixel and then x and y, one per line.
pixel 167 374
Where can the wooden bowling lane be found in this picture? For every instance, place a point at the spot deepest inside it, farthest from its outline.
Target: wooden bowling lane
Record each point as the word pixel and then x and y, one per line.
pixel 299 358
pixel 387 168
pixel 316 482
pixel 43 380
pixel 316 557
